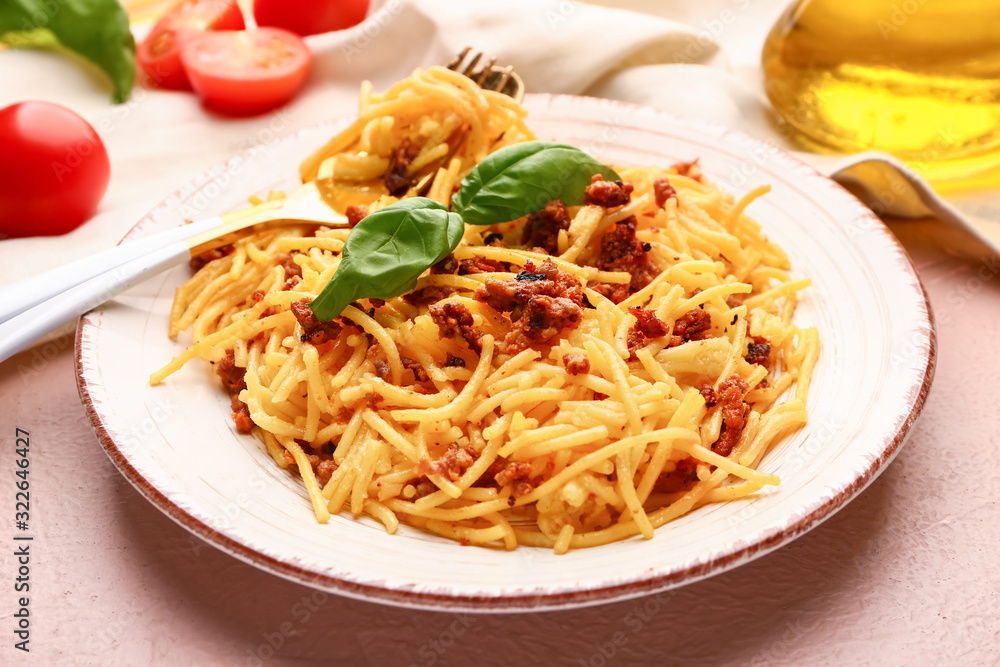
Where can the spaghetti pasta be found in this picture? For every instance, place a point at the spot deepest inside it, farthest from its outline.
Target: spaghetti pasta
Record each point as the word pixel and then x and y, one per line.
pixel 579 376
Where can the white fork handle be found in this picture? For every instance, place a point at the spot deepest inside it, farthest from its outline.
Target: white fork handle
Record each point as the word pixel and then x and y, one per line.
pixel 22 295
pixel 31 324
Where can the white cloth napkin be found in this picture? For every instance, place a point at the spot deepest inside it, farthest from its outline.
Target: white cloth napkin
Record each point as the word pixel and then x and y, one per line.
pixel 161 139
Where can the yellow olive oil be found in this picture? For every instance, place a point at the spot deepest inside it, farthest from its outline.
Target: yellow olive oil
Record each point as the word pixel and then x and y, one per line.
pixel 916 78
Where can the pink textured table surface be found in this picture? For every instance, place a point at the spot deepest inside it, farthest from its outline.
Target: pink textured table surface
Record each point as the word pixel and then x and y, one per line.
pixel 907 574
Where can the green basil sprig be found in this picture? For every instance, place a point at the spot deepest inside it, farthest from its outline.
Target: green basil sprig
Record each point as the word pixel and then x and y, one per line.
pixel 388 250
pixel 96 29
pixel 520 179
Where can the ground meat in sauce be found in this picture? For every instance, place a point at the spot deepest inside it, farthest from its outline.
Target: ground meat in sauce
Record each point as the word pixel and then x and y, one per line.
pixel 616 293
pixel 419 374
pixel 663 190
pixel 488 478
pixel 516 475
pixel 542 302
pixel 759 351
pixel 199 261
pixel 454 462
pixel 647 323
pixel 633 341
pixel 477 264
pixel 322 464
pixel 647 326
pixel 607 193
pixel 396 179
pixel 231 374
pixel 325 470
pixel 541 229
pixel 708 393
pixel 233 381
pixel 313 331
pixel 455 362
pixel 448 265
pixel 576 364
pixel 286 261
pixel 622 251
pixel 241 415
pixel 690 169
pixel 681 478
pixel 290 460
pixel 377 356
pixel 423 487
pixel 454 318
pixel 428 295
pixel 735 300
pixel 734 411
pixel 355 213
pixel 692 325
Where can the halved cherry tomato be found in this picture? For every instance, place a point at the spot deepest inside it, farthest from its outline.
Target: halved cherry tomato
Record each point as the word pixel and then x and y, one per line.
pixel 160 53
pixel 54 170
pixel 244 72
pixel 310 17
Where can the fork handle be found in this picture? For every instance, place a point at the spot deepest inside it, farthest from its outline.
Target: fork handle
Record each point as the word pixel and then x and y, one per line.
pixel 31 324
pixel 27 293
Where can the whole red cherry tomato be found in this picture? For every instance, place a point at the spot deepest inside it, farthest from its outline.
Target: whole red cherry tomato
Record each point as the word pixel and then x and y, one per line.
pixel 54 170
pixel 310 17
pixel 160 53
pixel 244 72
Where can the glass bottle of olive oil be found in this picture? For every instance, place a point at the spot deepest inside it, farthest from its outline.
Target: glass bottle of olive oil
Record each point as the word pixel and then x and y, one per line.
pixel 916 78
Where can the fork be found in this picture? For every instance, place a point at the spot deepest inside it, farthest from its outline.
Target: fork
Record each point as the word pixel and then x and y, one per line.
pixel 31 308
pixel 490 76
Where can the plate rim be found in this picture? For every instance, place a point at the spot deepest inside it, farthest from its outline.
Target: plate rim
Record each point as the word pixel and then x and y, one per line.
pixel 510 603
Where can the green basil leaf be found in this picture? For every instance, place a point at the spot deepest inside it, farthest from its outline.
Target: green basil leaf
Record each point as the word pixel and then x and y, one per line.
pixel 387 251
pixel 520 179
pixel 96 29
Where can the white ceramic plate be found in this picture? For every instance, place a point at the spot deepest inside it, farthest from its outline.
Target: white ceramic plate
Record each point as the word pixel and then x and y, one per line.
pixel 177 445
